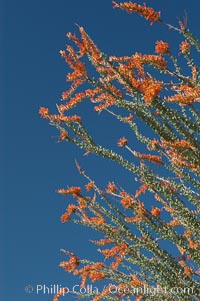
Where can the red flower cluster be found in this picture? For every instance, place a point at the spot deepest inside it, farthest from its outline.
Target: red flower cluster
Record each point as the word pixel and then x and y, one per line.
pixel 185 47
pixel 162 47
pixel 155 211
pixel 74 191
pixel 65 217
pixel 186 95
pixel 89 186
pixel 111 188
pixel 118 252
pixel 147 12
pixel 122 142
pixel 94 272
pixel 150 158
pixel 71 264
pixel 143 188
pixel 127 201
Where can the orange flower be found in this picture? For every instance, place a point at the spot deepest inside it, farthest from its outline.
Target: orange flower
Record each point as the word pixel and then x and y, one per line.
pixel 114 265
pixel 82 203
pixel 74 86
pixel 92 92
pixel 94 272
pixel 141 211
pixel 150 158
pixel 111 188
pixel 44 112
pixel 63 135
pixel 162 47
pixel 186 94
pixel 155 211
pixel 108 103
pixel 97 220
pixel 128 118
pixel 90 46
pixel 104 97
pixel 74 191
pixel 185 47
pixel 65 217
pixel 73 118
pixel 95 275
pixel 119 250
pixel 127 201
pixel 147 12
pixel 71 264
pixel 187 270
pixel 89 186
pixel 151 89
pixel 79 72
pixel 155 60
pixel 122 142
pixel 72 53
pixel 143 188
pixel 69 60
pixel 181 99
pixel 81 45
pixel 73 101
pixel 70 209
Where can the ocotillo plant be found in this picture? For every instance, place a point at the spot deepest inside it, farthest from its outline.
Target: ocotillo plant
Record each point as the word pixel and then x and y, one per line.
pixel 150 90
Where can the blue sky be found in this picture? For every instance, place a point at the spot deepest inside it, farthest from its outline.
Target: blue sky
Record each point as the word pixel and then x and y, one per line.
pixel 34 164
